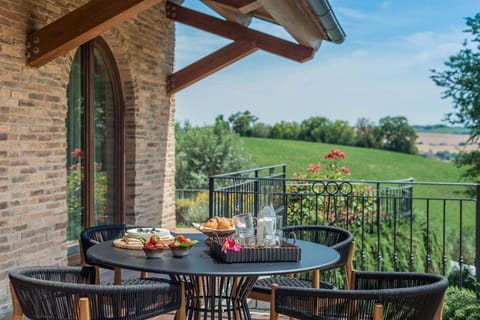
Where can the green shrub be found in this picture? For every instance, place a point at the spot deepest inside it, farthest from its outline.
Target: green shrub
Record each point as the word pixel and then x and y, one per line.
pixel 192 210
pixel 468 278
pixel 392 252
pixel 204 151
pixel 461 304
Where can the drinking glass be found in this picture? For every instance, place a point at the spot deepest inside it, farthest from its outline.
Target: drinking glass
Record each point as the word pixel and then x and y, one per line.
pixel 269 229
pixel 279 229
pixel 244 227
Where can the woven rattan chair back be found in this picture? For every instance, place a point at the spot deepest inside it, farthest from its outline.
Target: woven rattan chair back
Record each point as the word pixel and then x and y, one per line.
pixel 377 295
pixel 337 238
pixel 93 235
pixel 56 292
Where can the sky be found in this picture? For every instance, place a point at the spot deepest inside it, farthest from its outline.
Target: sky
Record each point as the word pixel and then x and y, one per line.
pixel 382 68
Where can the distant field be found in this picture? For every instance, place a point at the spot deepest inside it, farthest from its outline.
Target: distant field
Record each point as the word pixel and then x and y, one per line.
pixel 437 142
pixel 441 129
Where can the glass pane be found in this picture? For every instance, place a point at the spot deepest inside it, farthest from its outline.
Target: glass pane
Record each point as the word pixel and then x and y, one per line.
pixel 104 141
pixel 75 150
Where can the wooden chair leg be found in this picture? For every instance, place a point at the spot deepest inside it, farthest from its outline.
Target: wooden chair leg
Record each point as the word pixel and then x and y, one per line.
pixel 273 313
pixel 84 309
pixel 378 311
pixel 97 275
pixel 316 279
pixel 117 276
pixel 439 313
pixel 83 263
pixel 17 309
pixel 236 282
pixel 316 285
pixel 181 313
pixel 349 271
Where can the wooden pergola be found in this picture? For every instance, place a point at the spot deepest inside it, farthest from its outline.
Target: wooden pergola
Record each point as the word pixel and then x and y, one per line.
pixel 308 21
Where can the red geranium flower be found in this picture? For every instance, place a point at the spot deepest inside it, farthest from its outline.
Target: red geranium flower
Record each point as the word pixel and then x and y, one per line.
pixel 77 153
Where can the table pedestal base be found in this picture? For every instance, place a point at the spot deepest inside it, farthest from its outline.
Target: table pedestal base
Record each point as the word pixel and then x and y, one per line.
pixel 217 297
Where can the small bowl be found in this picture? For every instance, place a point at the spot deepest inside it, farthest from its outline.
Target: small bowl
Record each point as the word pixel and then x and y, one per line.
pixel 180 251
pixel 154 253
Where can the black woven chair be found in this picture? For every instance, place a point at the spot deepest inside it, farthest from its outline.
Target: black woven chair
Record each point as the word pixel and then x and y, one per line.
pixel 93 235
pixel 71 293
pixel 376 295
pixel 337 238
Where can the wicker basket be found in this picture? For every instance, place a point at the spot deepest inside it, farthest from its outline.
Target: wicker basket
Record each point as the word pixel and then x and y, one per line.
pixel 212 233
pixel 286 252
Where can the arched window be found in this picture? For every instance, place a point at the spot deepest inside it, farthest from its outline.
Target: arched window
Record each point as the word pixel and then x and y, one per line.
pixel 95 166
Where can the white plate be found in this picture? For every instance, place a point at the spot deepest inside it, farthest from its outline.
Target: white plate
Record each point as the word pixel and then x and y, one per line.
pixel 145 233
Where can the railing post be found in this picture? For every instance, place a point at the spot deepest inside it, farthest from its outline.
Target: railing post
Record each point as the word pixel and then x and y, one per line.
pixel 379 252
pixel 211 189
pixel 477 240
pixel 284 190
pixel 256 191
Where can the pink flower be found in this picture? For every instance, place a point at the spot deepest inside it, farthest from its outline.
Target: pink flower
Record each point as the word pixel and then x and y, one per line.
pixel 313 169
pixel 230 245
pixel 345 170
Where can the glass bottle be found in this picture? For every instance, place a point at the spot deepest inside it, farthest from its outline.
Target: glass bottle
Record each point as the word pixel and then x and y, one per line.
pixel 266 222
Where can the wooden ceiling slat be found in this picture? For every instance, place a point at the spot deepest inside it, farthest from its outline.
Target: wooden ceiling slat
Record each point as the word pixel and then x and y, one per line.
pixel 230 13
pixel 79 27
pixel 209 64
pixel 238 32
pixel 236 3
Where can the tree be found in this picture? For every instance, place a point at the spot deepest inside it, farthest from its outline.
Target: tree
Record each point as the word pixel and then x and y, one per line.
pixel 340 132
pixel 314 129
pixel 462 86
pixel 221 124
pixel 398 135
pixel 285 130
pixel 261 130
pixel 242 123
pixel 367 134
pixel 204 151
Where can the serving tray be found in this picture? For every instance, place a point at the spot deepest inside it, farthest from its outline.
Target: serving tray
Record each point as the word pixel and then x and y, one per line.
pixel 286 252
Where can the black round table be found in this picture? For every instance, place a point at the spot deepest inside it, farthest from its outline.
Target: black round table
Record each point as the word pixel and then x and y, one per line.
pixel 213 289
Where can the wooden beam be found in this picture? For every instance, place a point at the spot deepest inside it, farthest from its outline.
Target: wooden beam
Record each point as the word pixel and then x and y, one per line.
pixel 242 7
pixel 208 65
pixel 238 32
pixel 80 26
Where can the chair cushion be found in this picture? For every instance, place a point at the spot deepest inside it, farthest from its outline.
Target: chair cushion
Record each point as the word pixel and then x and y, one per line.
pixel 264 285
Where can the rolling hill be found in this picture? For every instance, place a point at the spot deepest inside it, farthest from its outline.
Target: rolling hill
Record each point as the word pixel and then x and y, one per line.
pixel 365 164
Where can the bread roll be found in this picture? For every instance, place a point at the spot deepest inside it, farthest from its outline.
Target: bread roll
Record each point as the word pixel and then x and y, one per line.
pixel 211 223
pixel 224 224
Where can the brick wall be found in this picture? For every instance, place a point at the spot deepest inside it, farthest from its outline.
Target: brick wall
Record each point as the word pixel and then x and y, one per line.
pixel 33 107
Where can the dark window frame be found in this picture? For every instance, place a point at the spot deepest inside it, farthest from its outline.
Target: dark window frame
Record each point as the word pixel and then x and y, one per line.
pixel 89 134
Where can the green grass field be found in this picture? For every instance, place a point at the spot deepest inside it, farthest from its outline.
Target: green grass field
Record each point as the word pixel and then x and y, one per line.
pixel 365 164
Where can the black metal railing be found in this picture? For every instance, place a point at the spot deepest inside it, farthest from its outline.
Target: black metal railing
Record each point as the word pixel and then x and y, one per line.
pixel 399 225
